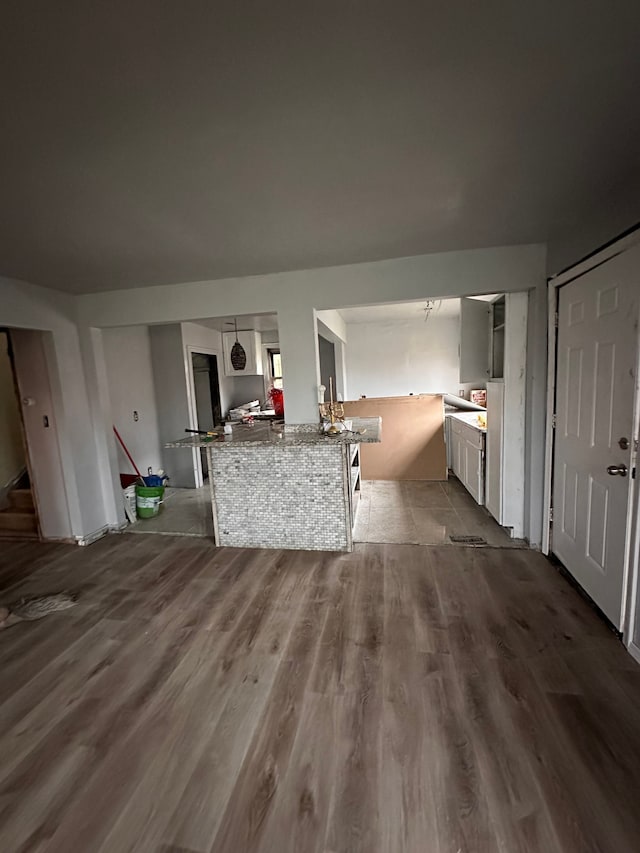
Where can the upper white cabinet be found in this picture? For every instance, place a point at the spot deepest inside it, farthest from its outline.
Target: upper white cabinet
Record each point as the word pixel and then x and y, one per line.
pixel 498 320
pixel 475 346
pixel 250 341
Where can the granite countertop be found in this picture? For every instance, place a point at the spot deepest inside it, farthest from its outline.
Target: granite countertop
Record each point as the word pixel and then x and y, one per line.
pixel 363 431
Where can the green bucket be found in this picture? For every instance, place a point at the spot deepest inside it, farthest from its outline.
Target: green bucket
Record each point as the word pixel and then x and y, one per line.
pixel 148 500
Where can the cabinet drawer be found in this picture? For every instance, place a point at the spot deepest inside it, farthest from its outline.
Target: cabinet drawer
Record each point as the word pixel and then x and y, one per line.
pixel 473 436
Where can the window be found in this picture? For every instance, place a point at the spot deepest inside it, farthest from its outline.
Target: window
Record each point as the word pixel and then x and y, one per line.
pixel 275 368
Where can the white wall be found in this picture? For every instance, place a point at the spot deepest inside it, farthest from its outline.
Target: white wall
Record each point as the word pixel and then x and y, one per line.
pixel 332 327
pixel 80 389
pixel 615 214
pixel 295 296
pixel 197 338
pixel 173 401
pixel 333 323
pixel 127 353
pixel 404 357
pixel 234 390
pixel 86 480
pixel 12 457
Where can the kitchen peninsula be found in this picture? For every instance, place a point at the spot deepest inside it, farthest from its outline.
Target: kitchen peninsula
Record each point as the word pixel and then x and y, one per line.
pixel 285 486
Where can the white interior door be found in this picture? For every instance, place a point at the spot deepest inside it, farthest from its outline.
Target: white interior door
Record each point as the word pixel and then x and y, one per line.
pixel 595 385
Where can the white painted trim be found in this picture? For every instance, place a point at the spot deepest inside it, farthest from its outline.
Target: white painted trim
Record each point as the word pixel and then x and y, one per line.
pixel 596 259
pixel 90 538
pixel 266 366
pixel 513 445
pixel 553 284
pixel 190 349
pixel 630 603
pixel 212 495
pixel 549 432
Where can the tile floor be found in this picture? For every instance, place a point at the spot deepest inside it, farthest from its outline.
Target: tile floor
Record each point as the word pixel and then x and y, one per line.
pixel 424 513
pixel 184 512
pixel 410 512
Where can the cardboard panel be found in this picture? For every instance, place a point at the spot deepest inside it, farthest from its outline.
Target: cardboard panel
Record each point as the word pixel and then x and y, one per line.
pixel 412 446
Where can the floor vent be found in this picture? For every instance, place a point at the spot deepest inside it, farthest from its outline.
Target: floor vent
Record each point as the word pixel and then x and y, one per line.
pixel 468 540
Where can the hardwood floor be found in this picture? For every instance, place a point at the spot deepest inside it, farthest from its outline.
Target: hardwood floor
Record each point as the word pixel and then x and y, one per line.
pixel 400 698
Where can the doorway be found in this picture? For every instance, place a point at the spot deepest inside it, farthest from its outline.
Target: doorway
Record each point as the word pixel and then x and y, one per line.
pixel 18 517
pixel 206 386
pixel 327 353
pixel 595 434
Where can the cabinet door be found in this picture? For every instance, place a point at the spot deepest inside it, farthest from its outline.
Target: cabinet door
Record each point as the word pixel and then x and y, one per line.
pixel 455 453
pixel 475 320
pixel 473 471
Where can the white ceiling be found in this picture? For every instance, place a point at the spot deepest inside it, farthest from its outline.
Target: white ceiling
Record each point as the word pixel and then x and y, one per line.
pixel 148 142
pixel 259 322
pixel 400 312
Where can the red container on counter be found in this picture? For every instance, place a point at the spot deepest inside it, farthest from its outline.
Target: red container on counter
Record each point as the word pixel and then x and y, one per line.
pixel 277 401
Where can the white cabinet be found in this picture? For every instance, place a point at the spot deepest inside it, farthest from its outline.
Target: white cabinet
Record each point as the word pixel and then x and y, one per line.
pixel 250 341
pixel 495 421
pixel 475 327
pixel 506 422
pixel 467 457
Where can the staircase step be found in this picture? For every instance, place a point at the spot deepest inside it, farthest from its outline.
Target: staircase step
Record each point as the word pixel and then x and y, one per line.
pixel 21 499
pixel 19 534
pixel 20 520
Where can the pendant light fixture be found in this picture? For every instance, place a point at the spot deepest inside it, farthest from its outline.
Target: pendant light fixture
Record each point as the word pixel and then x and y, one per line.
pixel 238 355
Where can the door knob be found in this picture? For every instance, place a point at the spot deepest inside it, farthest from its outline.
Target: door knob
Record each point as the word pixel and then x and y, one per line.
pixel 617 470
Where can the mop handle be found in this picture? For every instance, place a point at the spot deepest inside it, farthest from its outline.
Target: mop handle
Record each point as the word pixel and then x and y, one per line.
pixel 129 457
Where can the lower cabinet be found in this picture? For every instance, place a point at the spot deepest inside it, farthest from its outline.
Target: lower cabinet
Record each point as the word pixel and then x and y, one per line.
pixel 467 457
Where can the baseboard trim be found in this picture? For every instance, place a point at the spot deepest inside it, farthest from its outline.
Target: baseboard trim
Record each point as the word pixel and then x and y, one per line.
pixel 90 538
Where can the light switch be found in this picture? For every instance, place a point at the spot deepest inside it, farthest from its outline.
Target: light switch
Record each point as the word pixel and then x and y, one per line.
pixel 45 421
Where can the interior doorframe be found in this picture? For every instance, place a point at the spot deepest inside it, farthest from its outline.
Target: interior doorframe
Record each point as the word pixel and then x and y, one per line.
pixel 191 399
pixel 632 562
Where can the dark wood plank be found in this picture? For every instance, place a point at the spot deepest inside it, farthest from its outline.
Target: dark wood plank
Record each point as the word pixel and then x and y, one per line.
pixel 397 699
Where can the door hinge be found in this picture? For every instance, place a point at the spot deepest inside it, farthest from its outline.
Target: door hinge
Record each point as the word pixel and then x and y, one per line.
pixel 554 421
pixel 550 513
pixel 555 319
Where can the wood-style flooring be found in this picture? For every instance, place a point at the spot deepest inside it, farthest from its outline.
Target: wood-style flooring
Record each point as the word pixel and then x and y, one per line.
pixel 400 698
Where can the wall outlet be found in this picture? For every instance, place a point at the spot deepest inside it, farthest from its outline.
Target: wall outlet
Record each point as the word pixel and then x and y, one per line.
pixel 461 393
pixel 135 416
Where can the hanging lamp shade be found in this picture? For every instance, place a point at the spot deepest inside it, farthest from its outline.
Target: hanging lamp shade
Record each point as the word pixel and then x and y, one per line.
pixel 238 355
